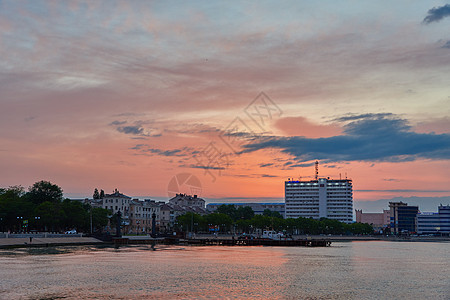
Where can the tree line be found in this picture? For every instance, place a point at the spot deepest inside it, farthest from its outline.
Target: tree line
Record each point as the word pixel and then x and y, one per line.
pixel 43 208
pixel 228 218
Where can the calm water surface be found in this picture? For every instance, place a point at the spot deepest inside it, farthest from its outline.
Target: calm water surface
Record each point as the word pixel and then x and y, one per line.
pixel 356 270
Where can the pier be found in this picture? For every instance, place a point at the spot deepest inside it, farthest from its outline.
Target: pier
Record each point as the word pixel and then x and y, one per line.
pixel 259 242
pixel 227 242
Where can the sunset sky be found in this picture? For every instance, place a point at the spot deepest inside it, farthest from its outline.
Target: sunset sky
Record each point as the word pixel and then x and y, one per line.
pixel 242 95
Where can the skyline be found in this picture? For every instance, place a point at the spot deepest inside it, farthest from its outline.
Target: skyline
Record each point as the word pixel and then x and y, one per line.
pixel 129 95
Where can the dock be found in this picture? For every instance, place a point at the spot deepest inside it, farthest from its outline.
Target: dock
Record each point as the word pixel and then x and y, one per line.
pixel 259 242
pixel 227 242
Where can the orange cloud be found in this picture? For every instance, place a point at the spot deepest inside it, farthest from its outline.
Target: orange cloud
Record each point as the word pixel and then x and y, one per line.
pixel 300 126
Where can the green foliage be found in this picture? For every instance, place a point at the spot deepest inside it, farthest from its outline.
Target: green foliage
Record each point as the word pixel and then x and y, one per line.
pixel 99 218
pixel 16 206
pixel 192 222
pixel 43 191
pixel 241 213
pixel 51 215
pixel 268 213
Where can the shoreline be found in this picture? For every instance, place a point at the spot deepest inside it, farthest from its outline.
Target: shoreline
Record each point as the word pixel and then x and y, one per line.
pixel 11 243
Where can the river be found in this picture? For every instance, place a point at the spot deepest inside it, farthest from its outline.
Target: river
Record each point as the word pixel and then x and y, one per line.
pixel 348 270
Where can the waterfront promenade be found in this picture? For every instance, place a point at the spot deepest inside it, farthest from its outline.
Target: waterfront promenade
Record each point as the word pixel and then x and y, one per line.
pixel 16 242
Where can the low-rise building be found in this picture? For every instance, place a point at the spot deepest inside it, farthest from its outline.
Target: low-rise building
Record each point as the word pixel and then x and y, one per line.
pixel 434 223
pixel 379 221
pixel 141 216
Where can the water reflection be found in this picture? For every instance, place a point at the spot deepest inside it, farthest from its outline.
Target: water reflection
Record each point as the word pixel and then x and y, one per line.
pixel 343 271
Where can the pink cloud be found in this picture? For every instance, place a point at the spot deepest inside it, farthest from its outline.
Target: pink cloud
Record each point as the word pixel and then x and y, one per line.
pixel 300 126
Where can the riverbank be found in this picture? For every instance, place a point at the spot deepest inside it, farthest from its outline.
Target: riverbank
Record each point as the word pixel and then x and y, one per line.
pixel 20 242
pixel 6 243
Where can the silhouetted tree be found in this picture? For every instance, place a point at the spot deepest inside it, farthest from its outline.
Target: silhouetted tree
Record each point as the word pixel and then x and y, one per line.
pixel 96 195
pixel 43 191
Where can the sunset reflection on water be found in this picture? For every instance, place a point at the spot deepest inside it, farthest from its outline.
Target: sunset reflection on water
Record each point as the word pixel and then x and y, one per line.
pixel 345 270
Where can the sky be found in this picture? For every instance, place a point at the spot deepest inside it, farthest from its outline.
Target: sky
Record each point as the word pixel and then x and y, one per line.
pixel 226 99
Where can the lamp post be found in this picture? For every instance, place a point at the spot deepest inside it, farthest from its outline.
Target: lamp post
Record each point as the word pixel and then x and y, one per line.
pixel 19 220
pixel 36 222
pixel 90 217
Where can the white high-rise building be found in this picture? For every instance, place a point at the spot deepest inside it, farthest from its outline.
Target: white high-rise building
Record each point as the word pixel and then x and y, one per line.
pixel 321 198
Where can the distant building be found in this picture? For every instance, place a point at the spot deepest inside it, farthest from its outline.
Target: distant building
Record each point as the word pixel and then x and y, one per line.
pixel 184 200
pixel 141 215
pixel 320 198
pixel 116 202
pixel 434 223
pixel 177 206
pixel 258 208
pixel 379 221
pixel 403 217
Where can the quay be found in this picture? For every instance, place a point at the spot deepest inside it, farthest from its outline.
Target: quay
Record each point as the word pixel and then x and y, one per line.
pixel 226 242
pixel 259 242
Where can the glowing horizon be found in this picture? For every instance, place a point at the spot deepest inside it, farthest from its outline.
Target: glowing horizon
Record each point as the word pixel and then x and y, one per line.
pixel 128 95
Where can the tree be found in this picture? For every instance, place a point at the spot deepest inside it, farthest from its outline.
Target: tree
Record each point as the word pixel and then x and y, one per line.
pixel 43 191
pixel 14 208
pixel 96 194
pixel 268 213
pixel 102 194
pixel 244 213
pixel 51 214
pixel 227 209
pixel 99 218
pixel 191 221
pixel 75 215
pixel 222 220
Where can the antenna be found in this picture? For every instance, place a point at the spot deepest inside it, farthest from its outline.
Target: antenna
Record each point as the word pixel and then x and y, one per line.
pixel 317 169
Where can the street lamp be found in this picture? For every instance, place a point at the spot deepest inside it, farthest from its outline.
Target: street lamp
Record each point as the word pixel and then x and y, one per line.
pixel 36 222
pixel 19 219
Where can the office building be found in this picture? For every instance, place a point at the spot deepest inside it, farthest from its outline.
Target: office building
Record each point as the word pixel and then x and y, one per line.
pixel 319 198
pixel 403 217
pixel 434 223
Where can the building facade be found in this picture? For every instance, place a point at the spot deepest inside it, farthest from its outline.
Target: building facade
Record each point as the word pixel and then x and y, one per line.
pixel 321 198
pixel 434 223
pixel 403 217
pixel 141 216
pixel 379 221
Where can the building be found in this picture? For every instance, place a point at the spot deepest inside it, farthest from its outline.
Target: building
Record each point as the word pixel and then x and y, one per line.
pixel 184 200
pixel 141 216
pixel 434 223
pixel 177 206
pixel 258 208
pixel 320 198
pixel 403 217
pixel 379 221
pixel 116 202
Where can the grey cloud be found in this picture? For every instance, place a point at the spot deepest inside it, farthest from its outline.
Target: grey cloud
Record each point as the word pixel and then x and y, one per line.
pixel 204 167
pixel 437 13
pixel 353 117
pixel 446 45
pixel 369 137
pixel 265 165
pixel 117 123
pixel 131 129
pixel 146 149
pixel 137 129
